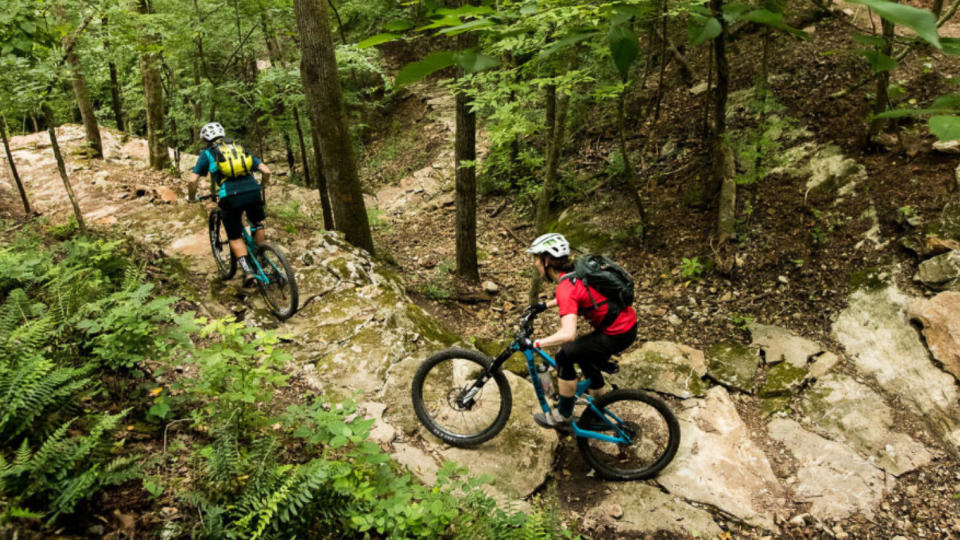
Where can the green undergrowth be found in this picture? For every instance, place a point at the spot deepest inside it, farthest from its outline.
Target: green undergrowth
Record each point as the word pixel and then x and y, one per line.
pixel 107 382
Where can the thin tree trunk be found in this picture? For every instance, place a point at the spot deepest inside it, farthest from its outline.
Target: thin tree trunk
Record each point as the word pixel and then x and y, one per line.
pixel 153 96
pixel 303 153
pixel 48 115
pixel 465 163
pixel 937 7
pixel 115 98
pixel 325 102
pixel 723 181
pixel 13 166
pixel 629 172
pixel 82 94
pixel 882 99
pixel 328 222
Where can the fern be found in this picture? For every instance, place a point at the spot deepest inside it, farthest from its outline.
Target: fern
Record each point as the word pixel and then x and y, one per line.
pixel 33 390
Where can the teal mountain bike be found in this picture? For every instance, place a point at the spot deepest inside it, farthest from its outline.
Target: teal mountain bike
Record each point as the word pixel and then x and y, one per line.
pixel 463 397
pixel 274 276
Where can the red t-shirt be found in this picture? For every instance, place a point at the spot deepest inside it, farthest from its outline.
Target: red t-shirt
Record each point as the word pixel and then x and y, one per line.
pixel 572 297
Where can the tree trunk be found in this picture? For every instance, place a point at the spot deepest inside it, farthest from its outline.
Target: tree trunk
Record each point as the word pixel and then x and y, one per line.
pixel 556 121
pixel 325 103
pixel 153 96
pixel 464 159
pixel 82 94
pixel 115 98
pixel 882 99
pixel 629 172
pixel 303 153
pixel 13 166
pixel 723 182
pixel 328 222
pixel 48 114
pixel 937 8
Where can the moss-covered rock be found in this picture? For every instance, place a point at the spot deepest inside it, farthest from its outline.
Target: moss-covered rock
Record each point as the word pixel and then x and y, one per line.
pixel 733 365
pixel 782 380
pixel 665 367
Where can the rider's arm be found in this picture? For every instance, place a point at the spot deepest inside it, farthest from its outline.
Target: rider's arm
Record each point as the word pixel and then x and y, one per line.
pixel 264 174
pixel 192 185
pixel 566 333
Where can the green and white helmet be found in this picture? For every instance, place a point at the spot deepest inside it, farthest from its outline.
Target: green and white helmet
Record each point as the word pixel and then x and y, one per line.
pixel 553 244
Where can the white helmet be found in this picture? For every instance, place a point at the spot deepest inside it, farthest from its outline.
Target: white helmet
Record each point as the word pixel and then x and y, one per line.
pixel 553 244
pixel 211 131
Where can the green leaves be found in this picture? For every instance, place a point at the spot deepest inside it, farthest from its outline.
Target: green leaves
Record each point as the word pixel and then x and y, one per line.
pixel 710 29
pixel 377 40
pixel 921 21
pixel 567 41
pixel 414 71
pixel 773 20
pixel 624 48
pixel 470 60
pixel 879 61
pixel 946 128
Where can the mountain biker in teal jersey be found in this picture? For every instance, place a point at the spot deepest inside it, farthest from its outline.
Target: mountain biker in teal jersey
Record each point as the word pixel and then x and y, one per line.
pixel 237 196
pixel 574 298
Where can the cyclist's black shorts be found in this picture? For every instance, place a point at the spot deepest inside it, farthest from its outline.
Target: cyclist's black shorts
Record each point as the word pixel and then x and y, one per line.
pixel 590 351
pixel 233 208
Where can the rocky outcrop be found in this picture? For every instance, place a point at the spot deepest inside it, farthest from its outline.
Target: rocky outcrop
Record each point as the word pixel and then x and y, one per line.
pixel 940 272
pixel 832 478
pixel 664 366
pixel 718 463
pixel 780 345
pixel 733 365
pixel 940 318
pixel 852 413
pixel 880 341
pixel 639 507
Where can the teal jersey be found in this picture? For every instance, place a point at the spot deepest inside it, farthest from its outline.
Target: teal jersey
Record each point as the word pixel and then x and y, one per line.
pixel 228 186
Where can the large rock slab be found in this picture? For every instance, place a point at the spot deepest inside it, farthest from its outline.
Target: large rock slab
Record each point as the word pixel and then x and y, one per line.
pixel 718 464
pixel 880 341
pixel 940 317
pixel 666 367
pixel 831 477
pixel 852 413
pixel 940 272
pixel 780 345
pixel 644 508
pixel 733 365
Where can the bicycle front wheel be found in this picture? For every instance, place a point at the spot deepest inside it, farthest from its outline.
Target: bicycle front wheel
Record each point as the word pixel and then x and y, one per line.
pixel 220 246
pixel 650 424
pixel 280 294
pixel 439 387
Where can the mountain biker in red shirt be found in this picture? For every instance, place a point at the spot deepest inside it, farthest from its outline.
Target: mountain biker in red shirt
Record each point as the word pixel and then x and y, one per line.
pixel 573 299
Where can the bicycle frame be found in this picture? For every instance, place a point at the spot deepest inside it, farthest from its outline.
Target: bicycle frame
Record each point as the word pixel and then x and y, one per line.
pixel 531 355
pixel 253 248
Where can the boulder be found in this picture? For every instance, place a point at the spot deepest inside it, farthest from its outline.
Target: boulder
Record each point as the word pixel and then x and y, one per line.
pixel 940 318
pixel 733 365
pixel 665 367
pixel 779 345
pixel 644 508
pixel 852 413
pixel 829 170
pixel 880 342
pixel 939 272
pixel 832 478
pixel 782 380
pixel 135 149
pixel 718 464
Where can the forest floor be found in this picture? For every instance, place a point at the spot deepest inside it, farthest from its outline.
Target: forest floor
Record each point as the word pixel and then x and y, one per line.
pixel 796 255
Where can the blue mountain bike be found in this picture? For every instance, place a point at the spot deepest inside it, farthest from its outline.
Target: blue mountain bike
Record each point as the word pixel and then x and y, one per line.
pixel 274 276
pixel 463 397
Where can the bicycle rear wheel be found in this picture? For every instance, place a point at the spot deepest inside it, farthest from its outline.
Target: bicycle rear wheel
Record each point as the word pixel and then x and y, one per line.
pixel 280 294
pixel 220 246
pixel 442 380
pixel 647 420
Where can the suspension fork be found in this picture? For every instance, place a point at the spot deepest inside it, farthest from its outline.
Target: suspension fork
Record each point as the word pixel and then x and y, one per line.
pixel 465 399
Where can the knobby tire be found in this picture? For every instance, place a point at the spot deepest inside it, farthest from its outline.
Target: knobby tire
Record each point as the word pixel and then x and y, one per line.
pixel 286 285
pixel 220 246
pixel 654 430
pixel 440 380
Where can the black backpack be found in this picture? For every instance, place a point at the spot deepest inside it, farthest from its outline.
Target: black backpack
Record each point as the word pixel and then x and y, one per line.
pixel 609 279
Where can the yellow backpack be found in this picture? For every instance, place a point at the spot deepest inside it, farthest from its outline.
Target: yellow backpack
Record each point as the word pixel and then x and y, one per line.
pixel 231 159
